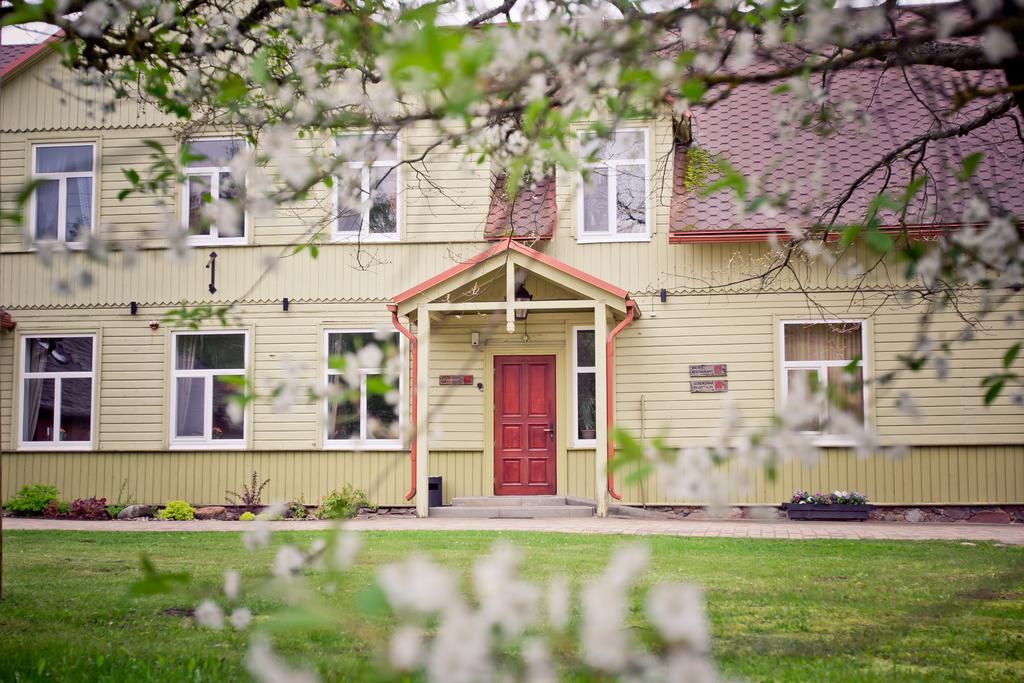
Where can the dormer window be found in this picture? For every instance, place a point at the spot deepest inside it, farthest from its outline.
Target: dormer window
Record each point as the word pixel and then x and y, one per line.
pixel 208 178
pixel 612 196
pixel 366 194
pixel 62 204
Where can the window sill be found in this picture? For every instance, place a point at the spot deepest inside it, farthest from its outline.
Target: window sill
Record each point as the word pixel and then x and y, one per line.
pixel 830 441
pixel 363 446
pixel 583 445
pixel 602 239
pixel 55 446
pixel 208 445
pixel 364 239
pixel 217 241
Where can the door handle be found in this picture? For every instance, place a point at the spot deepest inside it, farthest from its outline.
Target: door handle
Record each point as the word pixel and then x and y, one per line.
pixel 551 432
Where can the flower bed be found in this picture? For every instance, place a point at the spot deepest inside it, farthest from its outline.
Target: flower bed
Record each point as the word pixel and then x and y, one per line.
pixel 836 506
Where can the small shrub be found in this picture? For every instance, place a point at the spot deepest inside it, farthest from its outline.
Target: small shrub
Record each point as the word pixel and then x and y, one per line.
pixel 246 517
pixel 297 510
pixel 177 510
pixel 251 495
pixel 802 497
pixel 32 500
pixel 89 508
pixel 342 504
pixel 56 508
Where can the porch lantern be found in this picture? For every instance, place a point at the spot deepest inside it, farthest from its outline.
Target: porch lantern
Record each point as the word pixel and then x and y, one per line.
pixel 522 295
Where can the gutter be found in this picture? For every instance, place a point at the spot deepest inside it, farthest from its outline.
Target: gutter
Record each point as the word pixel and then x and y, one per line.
pixel 414 356
pixel 609 350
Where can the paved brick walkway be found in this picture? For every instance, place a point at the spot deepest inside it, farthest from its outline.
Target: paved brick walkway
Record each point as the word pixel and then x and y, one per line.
pixel 1000 533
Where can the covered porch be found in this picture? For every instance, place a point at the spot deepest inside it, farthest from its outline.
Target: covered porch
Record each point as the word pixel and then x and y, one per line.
pixel 494 345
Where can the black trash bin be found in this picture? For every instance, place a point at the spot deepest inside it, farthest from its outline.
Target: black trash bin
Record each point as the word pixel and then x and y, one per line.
pixel 434 498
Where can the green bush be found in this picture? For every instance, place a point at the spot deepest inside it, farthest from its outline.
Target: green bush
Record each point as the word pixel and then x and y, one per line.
pixel 342 504
pixel 178 510
pixel 32 500
pixel 246 517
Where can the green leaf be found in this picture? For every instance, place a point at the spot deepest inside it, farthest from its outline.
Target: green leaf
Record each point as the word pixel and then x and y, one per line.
pixel 131 174
pixel 879 242
pixel 372 602
pixel 993 391
pixel 969 166
pixel 1011 355
pixel 154 582
pixel 232 89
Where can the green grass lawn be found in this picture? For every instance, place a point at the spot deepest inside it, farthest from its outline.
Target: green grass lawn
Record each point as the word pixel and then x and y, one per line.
pixel 780 610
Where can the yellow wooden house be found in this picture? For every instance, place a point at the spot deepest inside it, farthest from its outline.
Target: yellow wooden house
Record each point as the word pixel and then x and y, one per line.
pixel 524 332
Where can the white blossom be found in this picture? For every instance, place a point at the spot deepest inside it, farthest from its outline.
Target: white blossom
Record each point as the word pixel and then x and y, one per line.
pixel 266 667
pixel 209 615
pixel 288 562
pixel 346 548
pixel 998 45
pixel 405 650
pixel 241 617
pixel 232 585
pixel 418 585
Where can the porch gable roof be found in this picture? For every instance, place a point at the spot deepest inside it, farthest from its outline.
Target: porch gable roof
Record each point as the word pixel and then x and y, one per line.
pixel 511 251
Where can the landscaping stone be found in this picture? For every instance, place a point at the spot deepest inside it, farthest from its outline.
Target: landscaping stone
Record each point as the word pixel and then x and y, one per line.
pixel 955 513
pixel 990 517
pixel 913 515
pixel 135 512
pixel 212 512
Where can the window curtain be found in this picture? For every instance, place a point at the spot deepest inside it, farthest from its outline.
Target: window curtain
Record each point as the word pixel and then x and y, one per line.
pixel 823 341
pixel 34 390
pixel 187 354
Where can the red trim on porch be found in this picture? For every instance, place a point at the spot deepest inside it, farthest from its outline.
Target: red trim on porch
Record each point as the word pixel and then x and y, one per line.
pixel 508 244
pixel 413 360
pixel 766 234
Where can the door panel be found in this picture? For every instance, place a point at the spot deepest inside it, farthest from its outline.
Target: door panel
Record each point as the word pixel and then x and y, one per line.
pixel 524 425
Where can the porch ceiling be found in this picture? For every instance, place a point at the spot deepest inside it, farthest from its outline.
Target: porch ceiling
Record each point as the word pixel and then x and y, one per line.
pixel 471 282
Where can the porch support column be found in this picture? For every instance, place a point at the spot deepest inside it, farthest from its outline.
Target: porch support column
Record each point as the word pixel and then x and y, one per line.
pixel 510 296
pixel 422 410
pixel 601 396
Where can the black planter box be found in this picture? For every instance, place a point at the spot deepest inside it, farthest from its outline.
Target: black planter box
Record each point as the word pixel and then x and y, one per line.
pixel 830 512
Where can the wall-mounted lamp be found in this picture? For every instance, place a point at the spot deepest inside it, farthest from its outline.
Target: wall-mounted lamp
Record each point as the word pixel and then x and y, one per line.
pixel 474 340
pixel 284 304
pixel 664 295
pixel 154 324
pixel 522 294
pixel 134 307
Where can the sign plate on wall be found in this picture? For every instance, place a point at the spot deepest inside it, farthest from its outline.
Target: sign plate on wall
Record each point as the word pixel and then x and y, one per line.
pixel 709 370
pixel 709 386
pixel 456 380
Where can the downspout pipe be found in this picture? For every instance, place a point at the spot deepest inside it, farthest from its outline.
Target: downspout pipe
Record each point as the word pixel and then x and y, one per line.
pixel 413 357
pixel 609 352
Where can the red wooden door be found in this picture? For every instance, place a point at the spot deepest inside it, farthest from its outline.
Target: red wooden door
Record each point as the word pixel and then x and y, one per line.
pixel 524 425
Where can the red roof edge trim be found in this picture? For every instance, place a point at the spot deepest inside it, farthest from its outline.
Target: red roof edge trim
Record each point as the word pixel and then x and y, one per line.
pixel 765 235
pixel 530 237
pixel 508 244
pixel 29 56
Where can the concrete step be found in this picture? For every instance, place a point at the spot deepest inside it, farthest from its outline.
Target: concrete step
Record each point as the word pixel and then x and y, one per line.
pixel 513 512
pixel 517 501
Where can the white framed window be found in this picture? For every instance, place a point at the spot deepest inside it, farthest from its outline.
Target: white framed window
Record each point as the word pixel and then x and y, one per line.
pixel 612 201
pixel 818 353
pixel 365 379
pixel 57 388
pixel 584 387
pixel 208 178
pixel 207 384
pixel 63 206
pixel 366 196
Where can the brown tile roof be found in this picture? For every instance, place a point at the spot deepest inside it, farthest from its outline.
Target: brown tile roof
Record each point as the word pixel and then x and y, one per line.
pixel 742 129
pixel 533 214
pixel 13 54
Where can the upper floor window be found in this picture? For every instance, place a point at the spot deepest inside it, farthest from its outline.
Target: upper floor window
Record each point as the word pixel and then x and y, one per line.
pixel 612 202
pixel 208 178
pixel 364 377
pixel 821 355
pixel 206 389
pixel 57 390
pixel 62 206
pixel 366 194
pixel 584 381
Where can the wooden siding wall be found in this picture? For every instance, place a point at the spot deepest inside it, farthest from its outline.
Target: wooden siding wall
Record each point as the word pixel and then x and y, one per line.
pixel 926 476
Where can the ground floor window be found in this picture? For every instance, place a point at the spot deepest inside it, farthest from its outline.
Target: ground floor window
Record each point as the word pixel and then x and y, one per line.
pixel 584 385
pixel 208 388
pixel 57 389
pixel 364 379
pixel 829 355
